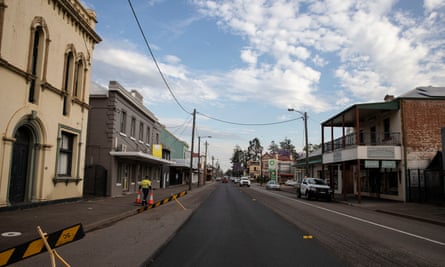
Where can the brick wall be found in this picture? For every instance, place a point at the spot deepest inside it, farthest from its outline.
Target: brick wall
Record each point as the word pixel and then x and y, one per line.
pixel 423 120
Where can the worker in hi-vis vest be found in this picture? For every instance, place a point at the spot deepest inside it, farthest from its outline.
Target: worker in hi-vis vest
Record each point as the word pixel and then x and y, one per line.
pixel 146 187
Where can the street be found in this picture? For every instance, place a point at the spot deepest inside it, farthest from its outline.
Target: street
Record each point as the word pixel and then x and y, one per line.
pixel 226 225
pixel 360 237
pixel 233 229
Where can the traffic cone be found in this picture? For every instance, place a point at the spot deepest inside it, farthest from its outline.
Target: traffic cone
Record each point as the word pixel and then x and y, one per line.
pixel 150 200
pixel 138 197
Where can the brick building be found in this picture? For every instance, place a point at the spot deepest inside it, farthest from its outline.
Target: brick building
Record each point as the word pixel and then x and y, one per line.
pixel 385 149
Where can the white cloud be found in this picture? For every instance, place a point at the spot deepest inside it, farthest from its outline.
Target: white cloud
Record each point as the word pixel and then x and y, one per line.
pixel 431 5
pixel 372 48
pixel 249 56
pixel 381 48
pixel 142 74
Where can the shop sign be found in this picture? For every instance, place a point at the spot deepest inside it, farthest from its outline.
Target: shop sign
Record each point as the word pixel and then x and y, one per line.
pixel 388 164
pixel 371 164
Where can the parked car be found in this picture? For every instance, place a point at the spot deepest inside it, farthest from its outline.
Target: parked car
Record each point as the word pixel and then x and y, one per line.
pixel 291 182
pixel 273 185
pixel 236 180
pixel 244 181
pixel 314 187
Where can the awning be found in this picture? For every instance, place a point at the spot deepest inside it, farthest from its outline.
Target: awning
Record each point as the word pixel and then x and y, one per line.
pixel 140 156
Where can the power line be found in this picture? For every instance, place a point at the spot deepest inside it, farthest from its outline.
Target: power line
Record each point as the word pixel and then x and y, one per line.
pixel 154 59
pixel 247 124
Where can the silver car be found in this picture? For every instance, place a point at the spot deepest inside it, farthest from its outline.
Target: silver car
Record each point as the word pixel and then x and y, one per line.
pixel 273 185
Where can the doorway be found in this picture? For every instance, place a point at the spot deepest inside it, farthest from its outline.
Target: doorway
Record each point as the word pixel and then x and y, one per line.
pixel 19 175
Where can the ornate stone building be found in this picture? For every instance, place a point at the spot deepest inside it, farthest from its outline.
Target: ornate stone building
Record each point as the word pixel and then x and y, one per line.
pixel 46 49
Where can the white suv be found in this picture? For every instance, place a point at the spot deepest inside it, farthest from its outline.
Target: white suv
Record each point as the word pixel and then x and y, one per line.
pixel 314 187
pixel 244 181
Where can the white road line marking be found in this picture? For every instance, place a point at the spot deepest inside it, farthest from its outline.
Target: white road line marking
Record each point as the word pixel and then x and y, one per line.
pixel 363 220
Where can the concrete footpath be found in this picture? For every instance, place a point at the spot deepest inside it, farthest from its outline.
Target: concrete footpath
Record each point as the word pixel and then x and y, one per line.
pixel 20 226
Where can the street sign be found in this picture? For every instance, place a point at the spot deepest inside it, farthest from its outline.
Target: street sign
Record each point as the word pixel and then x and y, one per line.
pixel 272 164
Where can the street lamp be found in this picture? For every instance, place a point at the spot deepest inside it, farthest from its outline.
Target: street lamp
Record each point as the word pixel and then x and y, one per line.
pixel 199 156
pixel 306 138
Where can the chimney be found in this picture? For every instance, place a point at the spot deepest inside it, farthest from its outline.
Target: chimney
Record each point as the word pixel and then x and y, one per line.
pixel 137 95
pixel 389 98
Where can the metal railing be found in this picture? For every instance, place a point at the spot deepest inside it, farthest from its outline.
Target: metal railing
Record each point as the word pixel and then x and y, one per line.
pixel 365 139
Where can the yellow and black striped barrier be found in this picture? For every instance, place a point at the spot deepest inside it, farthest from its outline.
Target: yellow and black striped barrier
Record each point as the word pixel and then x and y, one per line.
pixel 162 202
pixel 37 246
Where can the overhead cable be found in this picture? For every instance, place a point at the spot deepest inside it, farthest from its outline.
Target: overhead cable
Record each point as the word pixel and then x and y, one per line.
pixel 155 61
pixel 247 124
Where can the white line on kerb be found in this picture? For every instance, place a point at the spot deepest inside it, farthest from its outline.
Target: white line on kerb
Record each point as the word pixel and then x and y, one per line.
pixel 365 221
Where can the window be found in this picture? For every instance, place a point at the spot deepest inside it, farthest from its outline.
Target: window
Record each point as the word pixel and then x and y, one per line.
pixel 36 67
pixel 386 129
pixel 373 135
pixel 123 121
pixel 157 138
pixel 65 154
pixel 133 127
pixel 147 138
pixel 79 79
pixel 141 131
pixel 68 80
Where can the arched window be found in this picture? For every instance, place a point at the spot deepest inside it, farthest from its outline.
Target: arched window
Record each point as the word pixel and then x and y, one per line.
pixel 68 80
pixel 36 61
pixel 79 79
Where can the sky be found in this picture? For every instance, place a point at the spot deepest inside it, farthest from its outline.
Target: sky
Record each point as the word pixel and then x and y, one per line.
pixel 242 63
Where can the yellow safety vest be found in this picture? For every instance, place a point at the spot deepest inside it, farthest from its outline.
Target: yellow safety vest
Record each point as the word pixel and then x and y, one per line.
pixel 145 183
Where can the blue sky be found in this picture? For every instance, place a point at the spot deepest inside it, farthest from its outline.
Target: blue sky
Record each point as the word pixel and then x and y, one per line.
pixel 248 61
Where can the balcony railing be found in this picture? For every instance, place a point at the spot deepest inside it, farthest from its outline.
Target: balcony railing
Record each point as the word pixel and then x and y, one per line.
pixel 365 139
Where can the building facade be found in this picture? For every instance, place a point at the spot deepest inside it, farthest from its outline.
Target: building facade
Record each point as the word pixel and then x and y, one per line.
pixel 179 154
pixel 46 48
pixel 123 143
pixel 381 143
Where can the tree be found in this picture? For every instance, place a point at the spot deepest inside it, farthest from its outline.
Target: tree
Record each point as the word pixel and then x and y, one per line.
pixel 273 148
pixel 238 161
pixel 286 147
pixel 254 150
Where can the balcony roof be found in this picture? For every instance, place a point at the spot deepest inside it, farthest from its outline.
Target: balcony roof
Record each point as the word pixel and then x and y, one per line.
pixel 347 117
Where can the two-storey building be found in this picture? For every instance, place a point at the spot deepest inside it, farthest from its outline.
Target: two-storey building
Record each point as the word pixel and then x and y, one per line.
pixel 123 144
pixel 46 49
pixel 179 171
pixel 373 148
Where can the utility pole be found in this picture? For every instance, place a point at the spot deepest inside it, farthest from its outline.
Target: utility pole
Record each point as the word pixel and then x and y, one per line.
pixel 205 163
pixel 191 150
pixel 307 144
pixel 199 160
pixel 306 138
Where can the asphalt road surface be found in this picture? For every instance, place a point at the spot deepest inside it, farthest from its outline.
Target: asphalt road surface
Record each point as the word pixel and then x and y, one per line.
pixel 360 236
pixel 232 229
